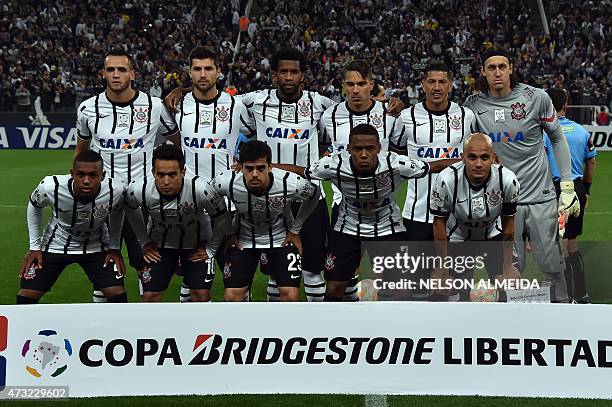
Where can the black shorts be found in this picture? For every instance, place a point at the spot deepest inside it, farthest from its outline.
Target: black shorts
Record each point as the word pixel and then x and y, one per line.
pixel 573 225
pixel 54 263
pixel 197 275
pixel 344 253
pixel 283 263
pixel 420 243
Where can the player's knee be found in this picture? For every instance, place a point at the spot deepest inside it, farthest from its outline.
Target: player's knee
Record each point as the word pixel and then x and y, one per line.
pixel 30 294
pixel 234 294
pixel 335 289
pixel 110 292
pixel 200 295
pixel 289 294
pixel 152 296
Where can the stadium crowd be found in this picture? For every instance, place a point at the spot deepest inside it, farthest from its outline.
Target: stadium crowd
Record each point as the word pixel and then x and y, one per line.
pixel 52 48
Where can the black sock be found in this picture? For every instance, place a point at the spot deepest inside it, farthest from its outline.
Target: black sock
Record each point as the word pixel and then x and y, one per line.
pixel 580 292
pixel 569 278
pixel 26 300
pixel 118 298
pixel 328 298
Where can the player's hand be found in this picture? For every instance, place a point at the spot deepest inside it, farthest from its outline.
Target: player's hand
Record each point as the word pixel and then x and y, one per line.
pixel 150 253
pixel 293 239
pixel 235 166
pixel 395 107
pixel 33 258
pixel 198 255
pixel 174 99
pixel 569 199
pixel 442 278
pixel 115 257
pixel 562 221
pixel 231 241
pixel 509 273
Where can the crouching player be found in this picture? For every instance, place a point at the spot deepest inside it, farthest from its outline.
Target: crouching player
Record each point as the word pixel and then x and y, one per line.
pixel 265 225
pixel 180 208
pixel 475 200
pixel 81 204
pixel 368 180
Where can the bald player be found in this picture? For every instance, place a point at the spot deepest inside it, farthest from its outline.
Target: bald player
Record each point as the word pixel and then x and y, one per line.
pixel 513 115
pixel 476 200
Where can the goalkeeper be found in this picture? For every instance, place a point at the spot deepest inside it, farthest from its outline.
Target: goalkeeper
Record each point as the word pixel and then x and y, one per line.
pixel 514 114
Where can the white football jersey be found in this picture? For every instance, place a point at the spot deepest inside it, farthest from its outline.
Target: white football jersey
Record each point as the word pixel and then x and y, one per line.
pixel 262 220
pixel 75 227
pixel 289 128
pixel 124 133
pixel 368 207
pixel 427 135
pixel 209 132
pixel 474 211
pixel 338 120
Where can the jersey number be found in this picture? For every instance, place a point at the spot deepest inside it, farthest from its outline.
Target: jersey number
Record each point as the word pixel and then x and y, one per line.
pixel 294 262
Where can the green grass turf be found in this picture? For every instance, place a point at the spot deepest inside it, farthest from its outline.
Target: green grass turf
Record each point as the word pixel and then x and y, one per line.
pixel 23 169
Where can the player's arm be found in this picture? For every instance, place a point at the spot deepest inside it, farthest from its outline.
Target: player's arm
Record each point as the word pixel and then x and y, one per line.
pixel 168 127
pixel 309 194
pixel 83 133
pixel 550 123
pixel 589 165
pixel 134 214
pixel 214 204
pixel 34 216
pixel 511 194
pixel 401 128
pixel 439 165
pixel 324 138
pixel 440 207
pixel 173 99
pixel 296 169
pixel 115 224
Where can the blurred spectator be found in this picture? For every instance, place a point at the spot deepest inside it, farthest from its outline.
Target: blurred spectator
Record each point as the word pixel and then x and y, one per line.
pixel 55 47
pixel 22 96
pixel 603 117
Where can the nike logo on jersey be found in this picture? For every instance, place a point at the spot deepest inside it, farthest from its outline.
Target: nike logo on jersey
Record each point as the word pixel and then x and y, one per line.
pixel 187 114
pixel 460 201
pixel 102 116
pixel 483 112
pixel 341 124
pixel 420 124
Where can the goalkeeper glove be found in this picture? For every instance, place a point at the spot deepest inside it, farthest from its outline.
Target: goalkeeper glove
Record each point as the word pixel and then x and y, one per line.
pixel 569 200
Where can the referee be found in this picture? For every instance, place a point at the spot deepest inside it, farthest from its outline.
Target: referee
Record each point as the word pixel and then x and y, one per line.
pixel 583 154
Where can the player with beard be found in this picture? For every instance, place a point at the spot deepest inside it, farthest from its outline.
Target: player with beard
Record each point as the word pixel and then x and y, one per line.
pixel 121 124
pixel 263 197
pixel 513 115
pixel 209 122
pixel 82 203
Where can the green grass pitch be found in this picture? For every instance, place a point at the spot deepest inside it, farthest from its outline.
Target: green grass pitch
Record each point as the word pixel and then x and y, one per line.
pixel 22 169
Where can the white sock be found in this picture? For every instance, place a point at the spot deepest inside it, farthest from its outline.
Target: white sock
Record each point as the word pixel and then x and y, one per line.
pixel 247 296
pixel 273 293
pixel 185 295
pixel 98 297
pixel 350 293
pixel 314 285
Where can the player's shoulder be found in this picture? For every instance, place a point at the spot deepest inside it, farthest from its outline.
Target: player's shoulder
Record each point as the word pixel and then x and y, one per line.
pixel 224 177
pixel 473 100
pixel 448 174
pixel 48 182
pixel 134 186
pixel 506 172
pixel 530 92
pixel 87 107
pixel 115 183
pixel 456 107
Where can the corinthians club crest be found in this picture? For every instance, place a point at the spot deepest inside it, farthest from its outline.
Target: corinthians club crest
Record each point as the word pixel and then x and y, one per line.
pixel 518 111
pixel 141 114
pixel 304 108
pixel 222 113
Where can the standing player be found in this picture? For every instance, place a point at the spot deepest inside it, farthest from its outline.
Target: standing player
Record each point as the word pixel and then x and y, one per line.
pixel 121 124
pixel 178 206
pixel 430 130
pixel 210 122
pixel 583 155
pixel 338 120
pixel 368 180
pixel 263 197
pixel 475 200
pixel 81 202
pixel 513 115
